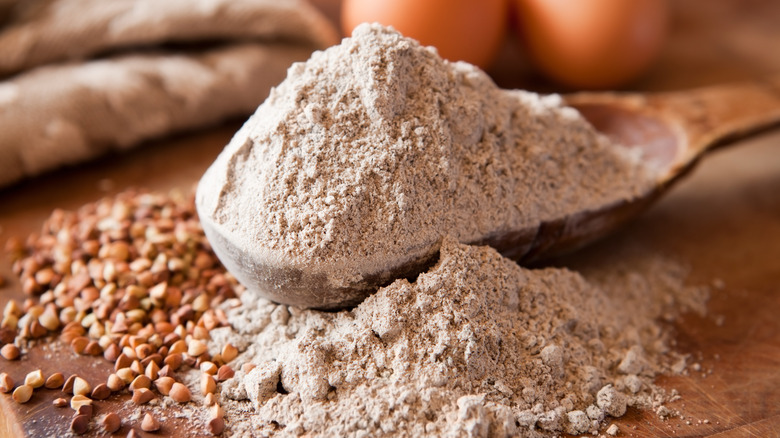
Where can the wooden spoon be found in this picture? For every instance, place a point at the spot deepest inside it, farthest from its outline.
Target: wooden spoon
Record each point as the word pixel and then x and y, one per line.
pixel 673 130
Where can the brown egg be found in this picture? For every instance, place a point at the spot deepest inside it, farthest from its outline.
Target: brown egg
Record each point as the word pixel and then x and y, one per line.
pixel 592 43
pixel 465 30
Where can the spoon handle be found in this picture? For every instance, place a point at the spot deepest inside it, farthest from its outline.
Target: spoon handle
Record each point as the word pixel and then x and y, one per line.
pixel 675 128
pixel 717 115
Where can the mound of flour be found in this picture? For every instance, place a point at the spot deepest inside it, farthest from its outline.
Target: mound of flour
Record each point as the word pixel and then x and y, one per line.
pixel 372 150
pixel 375 152
pixel 476 346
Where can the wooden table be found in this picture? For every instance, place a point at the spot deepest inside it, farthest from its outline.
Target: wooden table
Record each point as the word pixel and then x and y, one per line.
pixel 724 221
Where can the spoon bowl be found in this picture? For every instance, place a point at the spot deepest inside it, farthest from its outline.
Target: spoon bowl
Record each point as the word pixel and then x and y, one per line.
pixel 672 130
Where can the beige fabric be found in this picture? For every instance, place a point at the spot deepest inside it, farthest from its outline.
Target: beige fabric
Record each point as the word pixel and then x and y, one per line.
pixel 63 113
pixel 56 30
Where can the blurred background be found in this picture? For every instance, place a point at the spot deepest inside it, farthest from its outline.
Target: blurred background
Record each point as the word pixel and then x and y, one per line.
pixel 81 79
pixel 576 44
pixel 565 45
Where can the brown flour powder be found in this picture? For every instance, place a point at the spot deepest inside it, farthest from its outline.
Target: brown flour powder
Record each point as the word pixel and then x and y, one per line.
pixel 477 346
pixel 376 148
pixel 373 150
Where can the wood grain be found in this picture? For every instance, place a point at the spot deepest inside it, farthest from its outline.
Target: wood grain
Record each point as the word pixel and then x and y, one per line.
pixel 723 221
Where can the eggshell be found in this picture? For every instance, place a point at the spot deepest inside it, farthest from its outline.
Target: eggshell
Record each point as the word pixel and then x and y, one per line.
pixel 592 43
pixel 465 30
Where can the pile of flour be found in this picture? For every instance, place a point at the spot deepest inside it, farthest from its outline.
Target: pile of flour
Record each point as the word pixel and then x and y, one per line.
pixel 372 150
pixel 376 150
pixel 476 346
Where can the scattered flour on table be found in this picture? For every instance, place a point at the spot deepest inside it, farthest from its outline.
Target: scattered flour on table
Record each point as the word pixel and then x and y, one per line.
pixel 477 346
pixel 372 150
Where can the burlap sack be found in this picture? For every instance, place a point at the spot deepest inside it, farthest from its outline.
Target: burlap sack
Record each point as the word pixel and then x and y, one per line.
pixel 81 77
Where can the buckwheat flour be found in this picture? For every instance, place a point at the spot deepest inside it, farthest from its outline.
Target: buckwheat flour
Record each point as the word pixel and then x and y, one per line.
pixel 368 153
pixel 477 346
pixel 378 148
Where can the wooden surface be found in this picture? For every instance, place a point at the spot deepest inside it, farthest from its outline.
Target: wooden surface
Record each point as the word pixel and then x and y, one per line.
pixel 723 221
